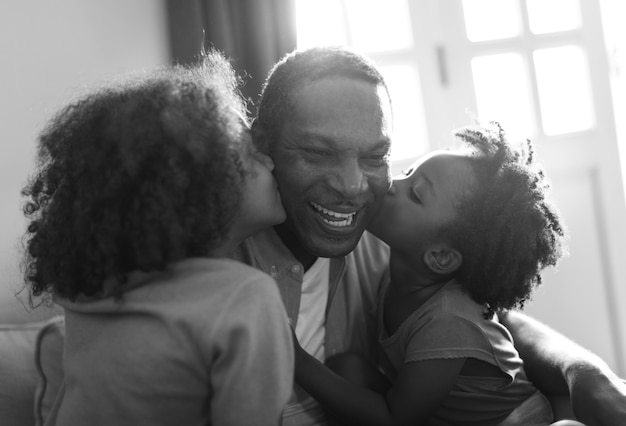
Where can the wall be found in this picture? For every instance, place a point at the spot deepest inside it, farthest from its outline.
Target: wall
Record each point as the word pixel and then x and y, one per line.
pixel 51 51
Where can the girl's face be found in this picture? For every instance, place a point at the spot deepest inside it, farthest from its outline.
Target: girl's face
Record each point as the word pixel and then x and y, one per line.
pixel 261 206
pixel 421 201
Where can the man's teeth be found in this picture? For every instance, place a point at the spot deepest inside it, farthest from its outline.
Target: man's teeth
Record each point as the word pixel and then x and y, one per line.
pixel 339 219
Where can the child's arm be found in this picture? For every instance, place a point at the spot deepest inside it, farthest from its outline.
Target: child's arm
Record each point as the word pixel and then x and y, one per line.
pixel 417 391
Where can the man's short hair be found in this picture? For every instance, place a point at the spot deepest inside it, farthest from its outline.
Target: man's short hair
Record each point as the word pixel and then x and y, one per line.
pixel 301 67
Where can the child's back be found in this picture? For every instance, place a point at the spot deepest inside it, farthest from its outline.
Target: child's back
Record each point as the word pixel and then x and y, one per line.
pixel 148 359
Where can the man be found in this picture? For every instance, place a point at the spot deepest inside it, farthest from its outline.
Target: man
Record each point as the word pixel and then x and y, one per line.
pixel 325 119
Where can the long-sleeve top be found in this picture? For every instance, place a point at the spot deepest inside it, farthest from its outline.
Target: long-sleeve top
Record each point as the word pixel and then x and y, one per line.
pixel 205 341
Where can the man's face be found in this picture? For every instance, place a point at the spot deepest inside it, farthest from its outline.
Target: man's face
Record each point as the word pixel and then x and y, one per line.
pixel 332 165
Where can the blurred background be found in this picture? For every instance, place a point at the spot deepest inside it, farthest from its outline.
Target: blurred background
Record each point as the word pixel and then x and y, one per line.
pixel 549 70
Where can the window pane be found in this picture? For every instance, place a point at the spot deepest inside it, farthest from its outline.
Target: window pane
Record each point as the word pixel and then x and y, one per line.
pixel 502 92
pixel 320 22
pixel 549 16
pixel 379 25
pixel 409 123
pixel 491 19
pixel 564 90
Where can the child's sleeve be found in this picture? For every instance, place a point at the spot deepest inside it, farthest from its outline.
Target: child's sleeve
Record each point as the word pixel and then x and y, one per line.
pixel 252 373
pixel 449 336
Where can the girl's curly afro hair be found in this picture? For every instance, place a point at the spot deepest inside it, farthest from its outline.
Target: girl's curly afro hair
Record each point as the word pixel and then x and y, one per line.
pixel 133 176
pixel 506 228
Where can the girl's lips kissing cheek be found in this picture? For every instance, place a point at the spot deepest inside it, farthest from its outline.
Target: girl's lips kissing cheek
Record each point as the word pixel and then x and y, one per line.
pixel 333 218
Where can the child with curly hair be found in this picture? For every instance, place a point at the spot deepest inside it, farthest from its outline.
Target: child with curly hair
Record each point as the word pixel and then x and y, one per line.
pixel 470 231
pixel 142 191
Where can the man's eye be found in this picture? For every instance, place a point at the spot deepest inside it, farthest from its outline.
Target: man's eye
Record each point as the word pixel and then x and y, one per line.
pixel 382 158
pixel 316 152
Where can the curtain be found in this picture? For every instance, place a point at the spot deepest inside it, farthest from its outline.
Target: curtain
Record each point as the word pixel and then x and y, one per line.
pixel 253 33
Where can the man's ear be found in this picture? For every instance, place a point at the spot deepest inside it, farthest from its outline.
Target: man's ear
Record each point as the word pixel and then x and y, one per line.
pixel 259 137
pixel 443 260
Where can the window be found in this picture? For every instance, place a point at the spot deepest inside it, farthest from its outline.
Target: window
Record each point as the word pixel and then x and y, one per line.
pixel 545 57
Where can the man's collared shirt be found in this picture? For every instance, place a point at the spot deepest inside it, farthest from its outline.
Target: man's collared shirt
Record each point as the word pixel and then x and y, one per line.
pixel 354 284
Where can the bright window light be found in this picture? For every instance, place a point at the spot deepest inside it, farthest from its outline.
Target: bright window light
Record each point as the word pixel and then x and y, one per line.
pixel 549 16
pixel 409 131
pixel 564 90
pixel 502 92
pixel 491 19
pixel 320 22
pixel 378 26
pixel 366 25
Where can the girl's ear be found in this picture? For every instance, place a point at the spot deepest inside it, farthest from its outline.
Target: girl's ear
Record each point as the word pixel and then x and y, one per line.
pixel 443 260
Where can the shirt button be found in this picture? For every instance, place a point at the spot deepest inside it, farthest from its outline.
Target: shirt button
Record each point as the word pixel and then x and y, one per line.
pixel 295 269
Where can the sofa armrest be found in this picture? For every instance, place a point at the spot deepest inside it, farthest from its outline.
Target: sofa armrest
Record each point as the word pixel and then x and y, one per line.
pixel 18 375
pixel 48 359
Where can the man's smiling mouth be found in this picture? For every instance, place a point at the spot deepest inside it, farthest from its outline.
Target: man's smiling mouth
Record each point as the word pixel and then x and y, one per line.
pixel 332 218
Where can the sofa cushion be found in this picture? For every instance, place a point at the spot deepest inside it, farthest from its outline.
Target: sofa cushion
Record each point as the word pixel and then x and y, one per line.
pixel 48 359
pixel 18 375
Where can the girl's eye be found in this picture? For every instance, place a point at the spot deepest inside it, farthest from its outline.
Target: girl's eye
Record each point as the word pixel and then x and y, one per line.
pixel 408 172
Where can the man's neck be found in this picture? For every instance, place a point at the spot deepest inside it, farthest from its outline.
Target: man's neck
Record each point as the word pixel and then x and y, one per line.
pixel 291 242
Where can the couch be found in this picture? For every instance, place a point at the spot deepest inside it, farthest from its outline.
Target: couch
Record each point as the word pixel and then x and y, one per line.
pixel 31 370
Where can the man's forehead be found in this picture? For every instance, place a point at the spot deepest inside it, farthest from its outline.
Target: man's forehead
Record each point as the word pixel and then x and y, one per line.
pixel 333 99
pixel 373 140
pixel 339 108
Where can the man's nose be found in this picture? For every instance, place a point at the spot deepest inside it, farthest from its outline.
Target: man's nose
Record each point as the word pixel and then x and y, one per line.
pixel 350 180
